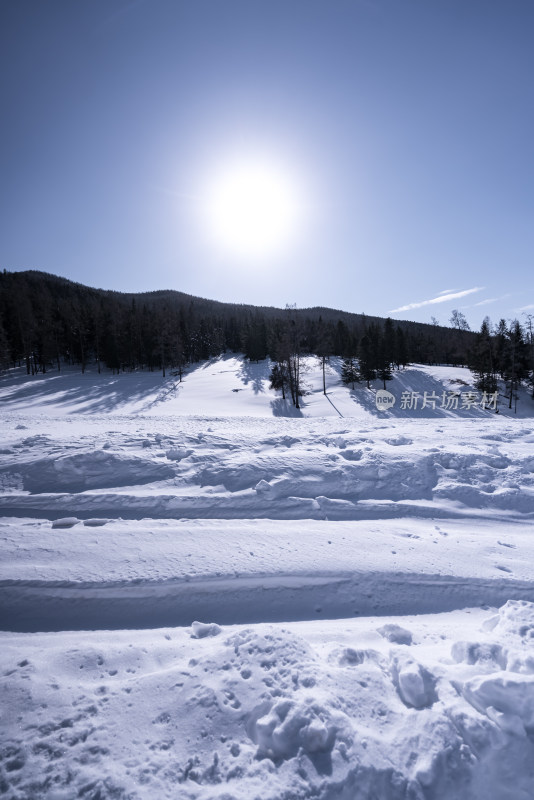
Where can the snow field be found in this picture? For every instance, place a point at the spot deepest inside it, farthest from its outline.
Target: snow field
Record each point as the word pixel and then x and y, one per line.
pixel 243 605
pixel 412 707
pixel 231 386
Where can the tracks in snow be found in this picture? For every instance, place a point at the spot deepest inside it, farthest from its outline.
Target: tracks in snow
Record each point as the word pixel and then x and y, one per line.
pixel 131 507
pixel 31 606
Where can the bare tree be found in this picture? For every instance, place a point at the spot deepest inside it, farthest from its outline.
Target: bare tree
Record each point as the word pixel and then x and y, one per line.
pixel 529 326
pixel 459 321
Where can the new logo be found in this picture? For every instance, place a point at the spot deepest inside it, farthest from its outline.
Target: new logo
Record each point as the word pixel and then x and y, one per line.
pixel 384 400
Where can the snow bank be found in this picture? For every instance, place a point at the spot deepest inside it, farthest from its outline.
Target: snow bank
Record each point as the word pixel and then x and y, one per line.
pixel 95 469
pixel 283 469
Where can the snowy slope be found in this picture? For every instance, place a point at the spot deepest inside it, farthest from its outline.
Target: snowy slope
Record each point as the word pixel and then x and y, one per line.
pixel 231 386
pixel 364 584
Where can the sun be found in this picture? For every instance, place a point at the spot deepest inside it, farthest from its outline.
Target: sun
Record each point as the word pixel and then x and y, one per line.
pixel 252 207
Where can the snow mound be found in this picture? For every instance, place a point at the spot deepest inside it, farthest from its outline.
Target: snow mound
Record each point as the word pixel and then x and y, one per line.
pixel 65 522
pixel 351 657
pixel 397 441
pixel 520 662
pixel 290 727
pixel 199 630
pixel 491 655
pixel 395 634
pixel 281 469
pixel 263 486
pixel 515 618
pixel 97 469
pixel 414 683
pixel 178 453
pixel 512 697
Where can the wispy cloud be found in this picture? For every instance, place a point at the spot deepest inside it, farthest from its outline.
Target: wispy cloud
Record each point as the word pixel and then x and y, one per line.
pixel 490 300
pixel 441 298
pixel 526 308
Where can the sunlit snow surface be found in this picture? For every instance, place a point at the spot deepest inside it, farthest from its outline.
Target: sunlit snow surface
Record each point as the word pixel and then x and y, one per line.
pixel 362 584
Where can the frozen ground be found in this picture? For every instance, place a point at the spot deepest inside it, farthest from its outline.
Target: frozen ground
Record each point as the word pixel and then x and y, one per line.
pixel 363 583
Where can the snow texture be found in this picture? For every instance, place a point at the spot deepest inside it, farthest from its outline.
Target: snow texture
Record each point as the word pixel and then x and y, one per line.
pixel 203 596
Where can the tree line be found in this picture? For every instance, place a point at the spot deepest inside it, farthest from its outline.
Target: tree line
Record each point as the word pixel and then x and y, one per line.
pixel 504 351
pixel 47 322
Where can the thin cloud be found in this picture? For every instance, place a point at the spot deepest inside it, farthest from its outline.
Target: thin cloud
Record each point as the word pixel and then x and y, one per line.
pixel 441 298
pixel 490 300
pixel 526 308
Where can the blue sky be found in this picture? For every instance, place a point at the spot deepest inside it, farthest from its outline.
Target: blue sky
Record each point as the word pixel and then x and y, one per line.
pixel 406 125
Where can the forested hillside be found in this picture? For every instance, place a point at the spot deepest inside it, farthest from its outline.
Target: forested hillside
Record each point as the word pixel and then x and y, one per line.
pixel 47 321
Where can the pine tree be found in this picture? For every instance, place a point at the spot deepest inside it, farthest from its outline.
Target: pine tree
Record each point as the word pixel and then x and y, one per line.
pixel 367 360
pixel 383 371
pixel 323 348
pixel 293 359
pixel 401 349
pixel 4 347
pixel 481 359
pixel 279 377
pixel 349 371
pixel 530 342
pixel 500 347
pixel 389 337
pixel 517 359
pixel 340 341
pixel 385 352
pixel 255 340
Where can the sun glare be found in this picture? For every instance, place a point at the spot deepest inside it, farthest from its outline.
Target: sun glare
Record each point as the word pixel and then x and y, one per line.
pixel 252 208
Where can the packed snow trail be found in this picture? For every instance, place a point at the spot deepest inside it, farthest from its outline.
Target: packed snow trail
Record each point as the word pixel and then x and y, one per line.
pixel 153 573
pixel 28 606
